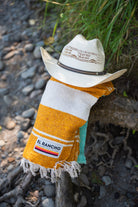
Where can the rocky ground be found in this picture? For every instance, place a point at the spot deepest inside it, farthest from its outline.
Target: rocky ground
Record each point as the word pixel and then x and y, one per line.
pixel 110 177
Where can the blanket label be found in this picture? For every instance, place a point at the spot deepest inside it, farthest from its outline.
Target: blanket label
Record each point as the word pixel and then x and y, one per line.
pixel 48 147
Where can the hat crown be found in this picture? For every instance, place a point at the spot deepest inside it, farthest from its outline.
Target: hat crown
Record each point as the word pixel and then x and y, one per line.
pixel 82 54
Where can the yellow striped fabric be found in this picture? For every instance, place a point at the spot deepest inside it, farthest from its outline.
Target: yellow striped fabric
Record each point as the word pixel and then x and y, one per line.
pixel 53 145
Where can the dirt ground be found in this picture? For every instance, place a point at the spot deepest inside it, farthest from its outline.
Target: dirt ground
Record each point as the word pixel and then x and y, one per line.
pixel 110 177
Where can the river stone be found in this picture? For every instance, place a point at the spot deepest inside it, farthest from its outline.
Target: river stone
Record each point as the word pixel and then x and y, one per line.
pixel 9 123
pixel 35 93
pixel 49 190
pixel 37 53
pixel 28 113
pixel 1 65
pixel 107 180
pixel 3 91
pixel 25 123
pixel 29 73
pixel 8 99
pixel 20 135
pixel 40 83
pixel 48 202
pixel 2 143
pixel 27 89
pixel 9 55
pixel 40 43
pixel 29 47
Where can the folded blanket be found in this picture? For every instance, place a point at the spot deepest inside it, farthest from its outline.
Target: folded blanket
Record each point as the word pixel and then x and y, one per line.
pixel 53 145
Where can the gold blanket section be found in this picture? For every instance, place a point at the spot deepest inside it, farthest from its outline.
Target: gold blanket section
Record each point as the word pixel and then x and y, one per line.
pixel 54 140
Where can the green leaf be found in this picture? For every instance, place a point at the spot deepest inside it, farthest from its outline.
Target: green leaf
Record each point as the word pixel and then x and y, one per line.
pixel 125 94
pixel 133 131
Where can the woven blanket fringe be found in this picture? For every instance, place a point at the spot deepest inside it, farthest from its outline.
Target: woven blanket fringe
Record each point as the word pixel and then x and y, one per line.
pixel 73 168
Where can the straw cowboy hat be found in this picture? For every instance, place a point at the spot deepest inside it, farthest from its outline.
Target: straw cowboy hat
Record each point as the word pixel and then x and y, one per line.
pixel 81 63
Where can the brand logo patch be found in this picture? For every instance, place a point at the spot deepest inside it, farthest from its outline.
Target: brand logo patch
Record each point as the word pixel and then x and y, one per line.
pixel 47 147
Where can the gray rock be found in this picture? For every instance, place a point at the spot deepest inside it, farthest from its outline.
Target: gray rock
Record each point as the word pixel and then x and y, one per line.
pixel 84 179
pixel 6 38
pixel 29 73
pixel 1 65
pixel 8 99
pixel 83 202
pixel 40 43
pixel 3 91
pixel 25 123
pixel 49 190
pixel 102 192
pixel 29 47
pixel 128 164
pixel 35 93
pixel 40 84
pixel 49 49
pixel 48 202
pixel 10 167
pixel 2 143
pixel 20 135
pixel 107 180
pixel 28 113
pixel 36 52
pixel 27 89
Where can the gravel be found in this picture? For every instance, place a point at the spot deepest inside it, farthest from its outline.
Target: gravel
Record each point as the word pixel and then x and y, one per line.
pixel 28 113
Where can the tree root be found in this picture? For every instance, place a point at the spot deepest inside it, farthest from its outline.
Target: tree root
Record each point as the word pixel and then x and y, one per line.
pixel 19 191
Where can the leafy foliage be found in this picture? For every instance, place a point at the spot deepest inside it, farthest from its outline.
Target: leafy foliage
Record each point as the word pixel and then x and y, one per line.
pixel 108 20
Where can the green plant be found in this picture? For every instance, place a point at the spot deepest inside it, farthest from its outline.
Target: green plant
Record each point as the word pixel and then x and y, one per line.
pixel 108 20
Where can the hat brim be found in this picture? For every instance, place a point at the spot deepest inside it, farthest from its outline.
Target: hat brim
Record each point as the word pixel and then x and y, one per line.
pixel 75 79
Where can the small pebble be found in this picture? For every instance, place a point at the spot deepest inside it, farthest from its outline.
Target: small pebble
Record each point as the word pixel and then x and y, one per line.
pixel 40 83
pixel 2 143
pixel 48 202
pixel 3 91
pixel 107 180
pixel 27 89
pixel 29 47
pixel 10 167
pixel 9 123
pixel 35 93
pixel 36 52
pixel 28 113
pixel 8 99
pixel 9 55
pixel 25 123
pixel 29 73
pixel 20 135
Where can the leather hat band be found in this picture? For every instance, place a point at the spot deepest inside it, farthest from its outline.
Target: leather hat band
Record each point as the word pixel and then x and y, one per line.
pixel 80 71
